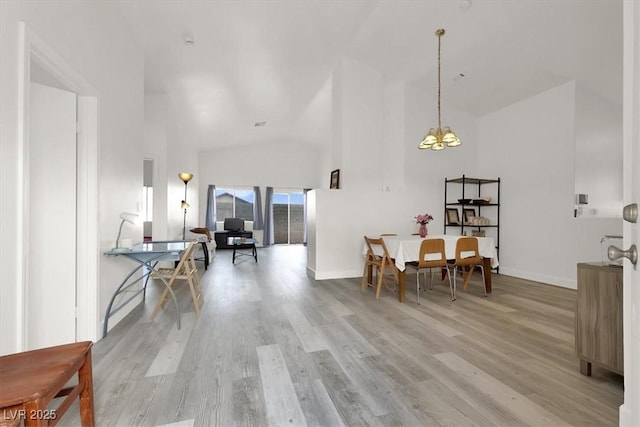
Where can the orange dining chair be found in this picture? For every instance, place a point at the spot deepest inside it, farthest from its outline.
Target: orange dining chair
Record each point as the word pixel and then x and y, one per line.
pixel 431 256
pixel 378 258
pixel 467 256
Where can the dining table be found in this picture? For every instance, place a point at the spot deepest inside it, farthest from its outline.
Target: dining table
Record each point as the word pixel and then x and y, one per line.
pixel 405 249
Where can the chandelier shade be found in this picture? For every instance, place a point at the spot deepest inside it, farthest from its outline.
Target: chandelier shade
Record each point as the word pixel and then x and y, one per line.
pixel 439 138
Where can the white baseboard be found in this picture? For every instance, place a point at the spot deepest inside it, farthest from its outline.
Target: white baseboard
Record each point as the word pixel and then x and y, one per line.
pixel 543 278
pixel 335 274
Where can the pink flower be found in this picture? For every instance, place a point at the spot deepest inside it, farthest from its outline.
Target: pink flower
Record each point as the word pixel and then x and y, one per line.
pixel 423 219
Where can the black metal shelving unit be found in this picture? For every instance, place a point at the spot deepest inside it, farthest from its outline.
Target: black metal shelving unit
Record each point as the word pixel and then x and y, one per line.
pixel 472 189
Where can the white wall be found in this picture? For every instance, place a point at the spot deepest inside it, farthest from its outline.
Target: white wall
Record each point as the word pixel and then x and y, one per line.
pixel 94 41
pixel 598 153
pixel 530 146
pixel 155 147
pixel 361 125
pixel 337 222
pixel 282 165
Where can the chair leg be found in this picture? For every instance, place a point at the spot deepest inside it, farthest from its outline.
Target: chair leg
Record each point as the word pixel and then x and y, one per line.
pixel 453 291
pixel 468 276
pixel 163 298
pixel 365 277
pixel 380 280
pixel 484 287
pixel 451 286
pixel 418 286
pixel 194 296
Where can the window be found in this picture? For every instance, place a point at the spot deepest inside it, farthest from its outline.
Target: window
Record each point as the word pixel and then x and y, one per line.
pixel 288 217
pixel 234 202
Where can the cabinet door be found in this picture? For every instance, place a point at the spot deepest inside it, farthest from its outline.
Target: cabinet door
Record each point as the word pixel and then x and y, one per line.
pixel 599 317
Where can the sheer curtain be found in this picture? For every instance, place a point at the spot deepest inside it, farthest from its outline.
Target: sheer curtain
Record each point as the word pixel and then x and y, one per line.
pixel 210 216
pixel 268 217
pixel 257 209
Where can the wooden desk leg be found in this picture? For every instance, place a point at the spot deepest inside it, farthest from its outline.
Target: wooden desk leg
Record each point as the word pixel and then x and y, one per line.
pixel 401 285
pixel 486 264
pixel 85 375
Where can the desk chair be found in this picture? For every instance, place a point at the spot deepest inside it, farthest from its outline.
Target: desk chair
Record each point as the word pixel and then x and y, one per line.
pixel 29 381
pixel 380 262
pixel 467 256
pixel 185 270
pixel 432 255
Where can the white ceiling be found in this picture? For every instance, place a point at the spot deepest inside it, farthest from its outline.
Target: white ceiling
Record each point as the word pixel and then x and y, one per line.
pixel 270 60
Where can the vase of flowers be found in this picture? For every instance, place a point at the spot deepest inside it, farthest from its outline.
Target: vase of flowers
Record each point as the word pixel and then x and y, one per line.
pixel 423 220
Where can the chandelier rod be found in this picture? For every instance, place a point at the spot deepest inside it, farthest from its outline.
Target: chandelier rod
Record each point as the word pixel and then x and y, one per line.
pixel 439 33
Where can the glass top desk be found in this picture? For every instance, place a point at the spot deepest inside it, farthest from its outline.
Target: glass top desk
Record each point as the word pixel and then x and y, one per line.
pixel 146 255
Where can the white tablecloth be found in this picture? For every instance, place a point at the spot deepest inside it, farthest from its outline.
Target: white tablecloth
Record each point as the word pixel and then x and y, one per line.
pixel 407 248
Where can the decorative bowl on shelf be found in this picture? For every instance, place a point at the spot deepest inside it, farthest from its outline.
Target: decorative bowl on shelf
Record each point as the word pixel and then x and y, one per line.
pixel 464 201
pixel 480 202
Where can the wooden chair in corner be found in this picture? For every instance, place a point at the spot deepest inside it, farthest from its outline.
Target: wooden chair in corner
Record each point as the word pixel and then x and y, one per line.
pixel 378 258
pixel 467 256
pixel 185 270
pixel 432 255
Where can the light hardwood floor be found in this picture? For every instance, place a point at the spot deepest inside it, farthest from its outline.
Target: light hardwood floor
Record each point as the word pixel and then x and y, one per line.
pixel 274 347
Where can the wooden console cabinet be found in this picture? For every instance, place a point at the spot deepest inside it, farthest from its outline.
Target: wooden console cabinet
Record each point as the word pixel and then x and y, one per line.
pixel 599 317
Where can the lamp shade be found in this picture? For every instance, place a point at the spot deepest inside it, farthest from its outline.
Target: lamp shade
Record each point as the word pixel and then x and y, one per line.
pixel 184 205
pixel 131 218
pixel 185 176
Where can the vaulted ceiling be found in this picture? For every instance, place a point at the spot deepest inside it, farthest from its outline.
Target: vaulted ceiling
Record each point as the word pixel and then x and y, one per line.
pixel 270 60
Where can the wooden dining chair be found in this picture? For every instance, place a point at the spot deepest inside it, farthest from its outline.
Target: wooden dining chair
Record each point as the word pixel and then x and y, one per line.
pixel 467 257
pixel 32 382
pixel 185 270
pixel 432 255
pixel 378 258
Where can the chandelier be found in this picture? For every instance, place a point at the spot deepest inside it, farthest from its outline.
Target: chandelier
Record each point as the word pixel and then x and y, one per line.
pixel 440 138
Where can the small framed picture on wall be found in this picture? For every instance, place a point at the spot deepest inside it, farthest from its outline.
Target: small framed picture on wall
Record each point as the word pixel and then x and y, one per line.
pixel 335 179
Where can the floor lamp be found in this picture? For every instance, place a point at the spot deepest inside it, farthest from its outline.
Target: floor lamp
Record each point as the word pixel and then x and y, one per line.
pixel 185 177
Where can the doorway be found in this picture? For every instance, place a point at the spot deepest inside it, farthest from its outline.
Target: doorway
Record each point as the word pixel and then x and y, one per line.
pixel 288 217
pixel 40 62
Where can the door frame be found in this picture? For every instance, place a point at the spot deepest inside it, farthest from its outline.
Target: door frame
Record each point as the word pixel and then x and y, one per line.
pixel 33 48
pixel 630 409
